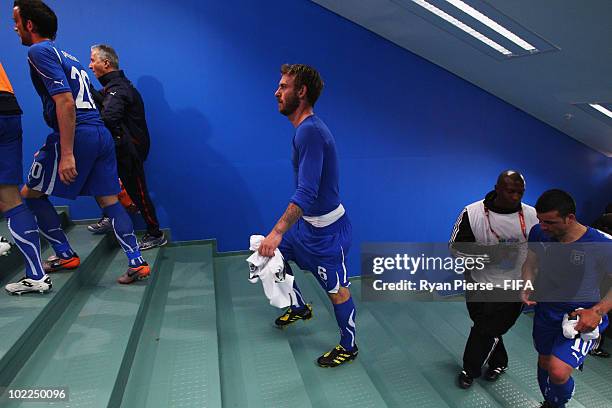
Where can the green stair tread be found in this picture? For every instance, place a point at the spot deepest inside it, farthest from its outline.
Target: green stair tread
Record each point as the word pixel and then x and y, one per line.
pixel 257 363
pixel 395 374
pixel 516 387
pixel 345 386
pixel 425 341
pixel 85 348
pixel 17 313
pixel 177 361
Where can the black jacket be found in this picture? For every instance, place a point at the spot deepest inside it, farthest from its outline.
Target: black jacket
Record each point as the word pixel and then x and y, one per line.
pixel 122 111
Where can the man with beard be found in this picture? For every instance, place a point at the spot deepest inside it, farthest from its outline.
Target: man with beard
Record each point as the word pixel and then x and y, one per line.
pixel 567 261
pixel 495 229
pixel 314 231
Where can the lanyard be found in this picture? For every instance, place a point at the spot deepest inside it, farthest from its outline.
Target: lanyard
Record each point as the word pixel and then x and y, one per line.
pixel 521 220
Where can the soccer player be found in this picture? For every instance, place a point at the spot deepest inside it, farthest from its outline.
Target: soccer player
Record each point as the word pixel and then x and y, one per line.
pixel 78 157
pixel 568 261
pixel 20 221
pixel 314 231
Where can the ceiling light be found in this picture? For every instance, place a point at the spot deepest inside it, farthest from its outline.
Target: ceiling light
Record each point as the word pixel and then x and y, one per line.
pixel 464 27
pixel 601 109
pixel 466 8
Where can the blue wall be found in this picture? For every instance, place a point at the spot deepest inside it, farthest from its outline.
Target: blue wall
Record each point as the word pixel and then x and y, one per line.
pixel 416 143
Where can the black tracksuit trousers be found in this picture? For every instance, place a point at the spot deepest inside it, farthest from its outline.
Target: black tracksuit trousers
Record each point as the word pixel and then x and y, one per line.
pixel 130 167
pixel 491 320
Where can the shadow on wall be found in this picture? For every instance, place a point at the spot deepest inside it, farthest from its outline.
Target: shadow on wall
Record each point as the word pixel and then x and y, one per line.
pixel 592 207
pixel 197 192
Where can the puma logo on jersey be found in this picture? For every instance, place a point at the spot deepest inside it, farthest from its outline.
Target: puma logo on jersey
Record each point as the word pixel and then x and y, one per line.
pixel 113 93
pixel 69 56
pixel 61 82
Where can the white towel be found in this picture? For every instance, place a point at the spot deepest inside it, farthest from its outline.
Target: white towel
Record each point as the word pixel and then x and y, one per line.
pixel 278 286
pixel 5 247
pixel 570 332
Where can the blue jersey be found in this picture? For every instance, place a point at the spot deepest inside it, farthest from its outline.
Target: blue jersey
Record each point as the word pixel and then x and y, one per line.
pixel 315 163
pixel 55 71
pixel 571 273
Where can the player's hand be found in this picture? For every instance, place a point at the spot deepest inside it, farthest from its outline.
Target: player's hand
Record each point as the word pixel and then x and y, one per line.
pixel 589 320
pixel 270 243
pixel 67 169
pixel 525 294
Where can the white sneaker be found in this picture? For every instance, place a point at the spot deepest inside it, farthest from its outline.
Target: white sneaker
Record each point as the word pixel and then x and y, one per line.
pixel 26 285
pixel 5 247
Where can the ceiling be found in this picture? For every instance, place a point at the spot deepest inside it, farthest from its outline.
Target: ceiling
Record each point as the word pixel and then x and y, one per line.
pixel 544 85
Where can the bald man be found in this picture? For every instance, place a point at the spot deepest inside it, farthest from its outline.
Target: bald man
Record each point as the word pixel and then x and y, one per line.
pixel 496 229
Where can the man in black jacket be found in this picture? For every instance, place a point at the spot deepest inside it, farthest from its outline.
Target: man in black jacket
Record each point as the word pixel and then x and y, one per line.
pixel 122 111
pixel 496 230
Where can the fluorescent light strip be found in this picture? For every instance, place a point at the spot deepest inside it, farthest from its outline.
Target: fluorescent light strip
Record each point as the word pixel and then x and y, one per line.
pixel 469 30
pixel 601 109
pixel 466 8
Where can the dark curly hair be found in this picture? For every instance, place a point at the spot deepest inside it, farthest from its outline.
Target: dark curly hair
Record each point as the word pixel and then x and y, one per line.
pixel 305 75
pixel 41 16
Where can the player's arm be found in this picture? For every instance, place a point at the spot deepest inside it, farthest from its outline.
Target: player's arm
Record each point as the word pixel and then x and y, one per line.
pixel 590 318
pixel 274 238
pixel 47 64
pixel 310 147
pixel 529 272
pixel 604 307
pixel 66 119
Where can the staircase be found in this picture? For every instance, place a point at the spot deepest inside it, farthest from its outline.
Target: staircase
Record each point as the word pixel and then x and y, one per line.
pixel 198 334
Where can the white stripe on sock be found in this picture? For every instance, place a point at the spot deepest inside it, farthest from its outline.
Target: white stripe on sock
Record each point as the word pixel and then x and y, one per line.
pixel 21 239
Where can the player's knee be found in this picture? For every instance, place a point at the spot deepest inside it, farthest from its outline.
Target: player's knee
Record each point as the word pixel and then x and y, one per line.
pixel 9 197
pixel 105 201
pixel 27 192
pixel 559 374
pixel 342 296
pixel 543 362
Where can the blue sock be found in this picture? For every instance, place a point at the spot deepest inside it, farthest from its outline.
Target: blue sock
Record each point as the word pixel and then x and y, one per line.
pixel 542 380
pixel 560 394
pixel 345 316
pixel 299 302
pixel 299 299
pixel 124 231
pixel 23 228
pixel 50 226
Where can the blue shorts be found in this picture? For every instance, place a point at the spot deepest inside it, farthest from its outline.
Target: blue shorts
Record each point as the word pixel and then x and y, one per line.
pixel 11 167
pixel 96 165
pixel 321 251
pixel 548 335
